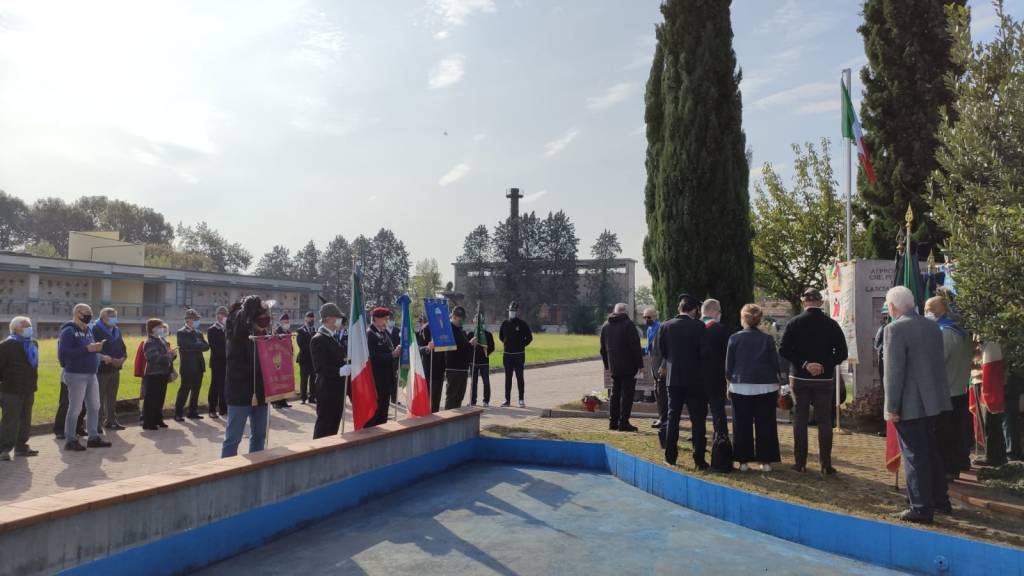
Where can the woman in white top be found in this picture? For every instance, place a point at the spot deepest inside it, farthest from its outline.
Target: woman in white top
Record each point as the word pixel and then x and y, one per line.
pixel 752 364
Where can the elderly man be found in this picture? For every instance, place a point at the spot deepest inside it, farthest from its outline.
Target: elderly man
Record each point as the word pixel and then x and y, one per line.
pixel 814 344
pixel 717 344
pixel 681 341
pixel 80 358
pixel 109 375
pixel 916 392
pixel 623 358
pixel 650 316
pixel 19 371
pixel 953 429
pixel 191 346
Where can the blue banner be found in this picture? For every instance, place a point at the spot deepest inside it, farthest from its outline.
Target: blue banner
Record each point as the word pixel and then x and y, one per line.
pixel 440 324
pixel 407 335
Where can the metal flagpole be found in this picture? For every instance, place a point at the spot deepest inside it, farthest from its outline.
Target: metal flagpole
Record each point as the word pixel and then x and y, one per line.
pixel 847 153
pixel 344 397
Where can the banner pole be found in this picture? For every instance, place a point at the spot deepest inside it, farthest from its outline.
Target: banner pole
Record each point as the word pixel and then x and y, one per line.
pixel 344 397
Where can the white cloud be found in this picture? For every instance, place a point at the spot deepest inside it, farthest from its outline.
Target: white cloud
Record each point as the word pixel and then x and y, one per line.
pixel 611 97
pixel 533 197
pixel 448 71
pixel 455 174
pixel 453 13
pixel 812 90
pixel 559 144
pixel 480 137
pixel 781 64
pixel 798 21
pixel 321 42
pixel 819 106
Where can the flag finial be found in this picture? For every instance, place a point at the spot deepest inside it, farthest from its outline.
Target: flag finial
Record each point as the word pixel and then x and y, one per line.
pixel 909 218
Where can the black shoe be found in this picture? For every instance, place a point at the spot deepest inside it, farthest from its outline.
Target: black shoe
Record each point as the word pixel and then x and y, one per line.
pixel 987 462
pixel 611 425
pixel 26 452
pixel 162 424
pixel 799 468
pixel 656 424
pixel 945 509
pixel 149 427
pixel 97 443
pixel 312 400
pixel 627 428
pixel 81 432
pixel 59 436
pixel 179 418
pixel 506 404
pixel 912 516
pixel 115 426
pixel 214 415
pixel 828 471
pixel 194 417
pixel 74 446
pixel 700 465
pixel 667 463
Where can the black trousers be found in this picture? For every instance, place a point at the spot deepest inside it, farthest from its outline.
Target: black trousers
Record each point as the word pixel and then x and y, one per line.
pixel 620 404
pixel 821 397
pixel 950 428
pixel 384 389
pixel 329 410
pixel 697 407
pixel 153 402
pixel 215 396
pixel 716 403
pixel 455 393
pixel 755 433
pixel 306 379
pixel 514 365
pixel 16 420
pixel 922 463
pixel 191 383
pixel 62 413
pixel 484 373
pixel 435 379
pixel 661 397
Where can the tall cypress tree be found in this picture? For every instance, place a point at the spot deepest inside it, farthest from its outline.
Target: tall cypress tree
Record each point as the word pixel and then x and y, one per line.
pixel 907 45
pixel 698 209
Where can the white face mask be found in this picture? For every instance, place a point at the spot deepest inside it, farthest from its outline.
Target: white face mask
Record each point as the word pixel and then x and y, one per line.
pixel 286 325
pixel 930 316
pixel 511 314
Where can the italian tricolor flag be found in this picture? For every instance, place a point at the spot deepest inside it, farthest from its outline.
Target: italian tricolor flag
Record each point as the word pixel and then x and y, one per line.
pixel 364 392
pixel 851 130
pixel 417 389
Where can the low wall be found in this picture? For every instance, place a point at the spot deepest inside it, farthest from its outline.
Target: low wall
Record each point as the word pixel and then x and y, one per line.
pixel 84 527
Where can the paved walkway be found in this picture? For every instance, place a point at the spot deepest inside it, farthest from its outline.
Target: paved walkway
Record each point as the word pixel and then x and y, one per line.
pixel 136 452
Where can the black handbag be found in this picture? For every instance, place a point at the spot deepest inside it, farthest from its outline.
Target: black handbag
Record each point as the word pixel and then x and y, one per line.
pixel 721 453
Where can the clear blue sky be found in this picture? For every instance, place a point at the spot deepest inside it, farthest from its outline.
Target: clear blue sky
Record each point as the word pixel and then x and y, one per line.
pixel 282 121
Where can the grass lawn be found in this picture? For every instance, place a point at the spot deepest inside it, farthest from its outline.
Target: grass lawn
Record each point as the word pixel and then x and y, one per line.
pixel 545 348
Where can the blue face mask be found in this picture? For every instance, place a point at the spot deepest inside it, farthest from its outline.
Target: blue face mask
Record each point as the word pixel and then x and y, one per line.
pixel 195 324
pixel 27 332
pixel 112 320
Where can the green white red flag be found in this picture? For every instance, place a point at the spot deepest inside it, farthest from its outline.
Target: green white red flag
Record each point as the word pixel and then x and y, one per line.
pixel 852 130
pixel 364 392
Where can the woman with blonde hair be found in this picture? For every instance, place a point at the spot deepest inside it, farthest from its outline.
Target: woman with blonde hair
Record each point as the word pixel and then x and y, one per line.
pixel 752 365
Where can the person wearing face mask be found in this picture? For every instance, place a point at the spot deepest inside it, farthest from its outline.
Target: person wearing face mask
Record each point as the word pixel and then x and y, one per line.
pixel 383 353
pixel 19 373
pixel 159 364
pixel 284 328
pixel 217 338
pixel 650 316
pixel 80 359
pixel 433 364
pixel 953 427
pixel 109 374
pixel 244 385
pixel 307 374
pixel 191 344
pixel 457 362
pixel 327 354
pixel 515 335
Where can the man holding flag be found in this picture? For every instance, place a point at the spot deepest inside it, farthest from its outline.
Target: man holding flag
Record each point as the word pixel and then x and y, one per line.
pixel 383 354
pixel 482 351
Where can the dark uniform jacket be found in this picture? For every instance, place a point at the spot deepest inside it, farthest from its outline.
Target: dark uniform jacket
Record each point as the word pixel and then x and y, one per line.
pixel 620 346
pixel 683 347
pixel 717 335
pixel 432 363
pixel 244 377
pixel 482 352
pixel 813 337
pixel 515 334
pixel 303 336
pixel 380 348
pixel 218 345
pixel 113 347
pixel 327 355
pixel 462 356
pixel 17 376
pixel 191 346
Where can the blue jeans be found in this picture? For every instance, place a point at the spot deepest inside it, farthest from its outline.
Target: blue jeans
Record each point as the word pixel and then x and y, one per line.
pixel 82 388
pixel 237 415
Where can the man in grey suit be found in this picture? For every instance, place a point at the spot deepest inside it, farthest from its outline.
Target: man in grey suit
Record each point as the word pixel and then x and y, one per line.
pixel 916 392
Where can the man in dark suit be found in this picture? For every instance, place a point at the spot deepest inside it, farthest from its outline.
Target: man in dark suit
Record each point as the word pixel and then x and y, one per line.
pixel 482 368
pixel 191 346
pixel 916 392
pixel 383 352
pixel 307 377
pixel 717 343
pixel 682 343
pixel 458 361
pixel 217 339
pixel 433 364
pixel 623 358
pixel 327 354
pixel 515 336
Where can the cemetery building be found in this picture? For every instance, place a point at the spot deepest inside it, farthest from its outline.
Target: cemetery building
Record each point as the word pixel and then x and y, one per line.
pixel 102 271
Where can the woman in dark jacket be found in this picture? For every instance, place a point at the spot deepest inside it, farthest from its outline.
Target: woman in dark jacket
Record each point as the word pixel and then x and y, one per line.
pixel 159 364
pixel 243 387
pixel 752 364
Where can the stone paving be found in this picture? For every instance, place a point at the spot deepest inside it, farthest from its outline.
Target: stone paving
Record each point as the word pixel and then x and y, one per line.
pixel 136 452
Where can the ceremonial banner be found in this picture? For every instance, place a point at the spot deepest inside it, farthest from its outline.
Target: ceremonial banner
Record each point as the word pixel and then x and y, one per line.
pixel 364 392
pixel 275 354
pixel 417 391
pixel 407 339
pixel 440 324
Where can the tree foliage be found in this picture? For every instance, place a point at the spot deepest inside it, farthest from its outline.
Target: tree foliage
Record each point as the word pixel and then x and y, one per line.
pixel 477 253
pixel 605 250
pixel 14 222
pixel 164 256
pixel 425 283
pixel 980 183
pixel 136 224
pixel 202 239
pixel 306 263
pixel 384 261
pixel 797 231
pixel 696 198
pixel 52 218
pixel 336 272
pixel 275 264
pixel 908 50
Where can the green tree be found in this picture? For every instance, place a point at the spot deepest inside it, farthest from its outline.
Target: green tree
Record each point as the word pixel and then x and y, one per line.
pixel 226 256
pixel 477 253
pixel 643 298
pixel 275 264
pixel 907 45
pixel 696 198
pixel 980 181
pixel 557 248
pixel 425 283
pixel 306 263
pixel 336 272
pixel 164 256
pixel 797 231
pixel 136 224
pixel 605 251
pixel 51 219
pixel 42 248
pixel 387 270
pixel 14 222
